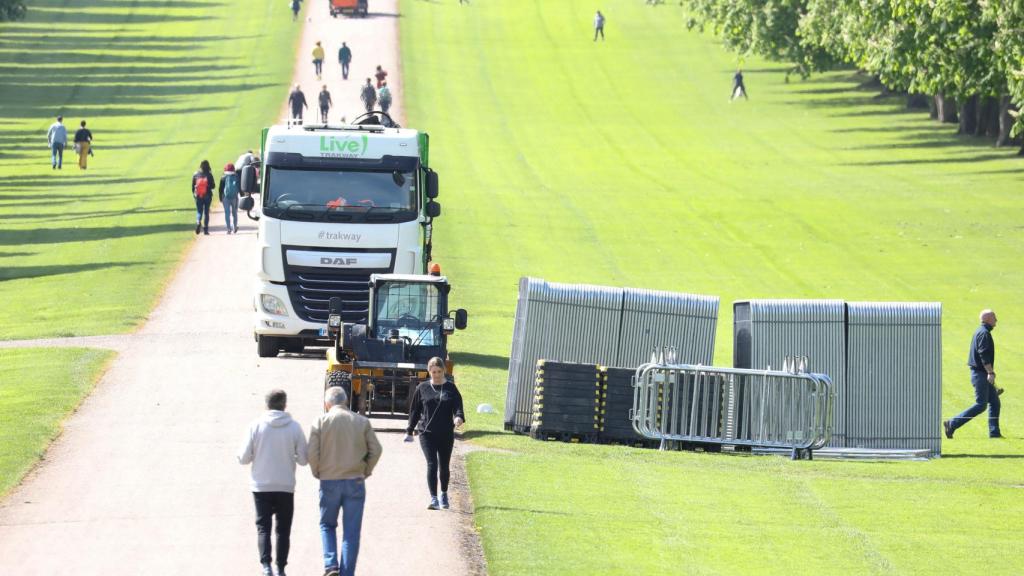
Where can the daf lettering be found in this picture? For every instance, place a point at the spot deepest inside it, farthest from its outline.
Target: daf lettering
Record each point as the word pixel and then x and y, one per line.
pixel 338 261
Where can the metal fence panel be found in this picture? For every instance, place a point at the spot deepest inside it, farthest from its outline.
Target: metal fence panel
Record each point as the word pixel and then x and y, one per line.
pixel 653 318
pixel 894 375
pixel 766 331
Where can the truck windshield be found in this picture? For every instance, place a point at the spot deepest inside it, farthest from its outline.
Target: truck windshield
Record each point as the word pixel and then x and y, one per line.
pixel 340 195
pixel 412 308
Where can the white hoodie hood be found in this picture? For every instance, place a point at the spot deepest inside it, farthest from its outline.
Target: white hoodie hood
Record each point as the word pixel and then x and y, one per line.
pixel 274 445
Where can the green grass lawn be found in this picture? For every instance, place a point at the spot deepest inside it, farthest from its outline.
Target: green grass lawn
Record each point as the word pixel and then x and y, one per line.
pixel 623 163
pixel 163 84
pixel 37 389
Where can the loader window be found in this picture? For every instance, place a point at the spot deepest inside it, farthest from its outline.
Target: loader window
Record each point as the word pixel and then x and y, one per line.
pixel 412 308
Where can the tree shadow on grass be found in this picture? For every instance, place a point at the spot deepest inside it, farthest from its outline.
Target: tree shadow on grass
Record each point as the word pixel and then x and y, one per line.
pixel 15 254
pixel 480 360
pixel 72 216
pixel 521 510
pixel 71 16
pixel 18 182
pixel 975 158
pixel 64 235
pixel 986 456
pixel 23 272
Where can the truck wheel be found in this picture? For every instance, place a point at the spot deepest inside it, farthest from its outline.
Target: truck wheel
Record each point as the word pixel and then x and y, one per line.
pixel 343 379
pixel 266 346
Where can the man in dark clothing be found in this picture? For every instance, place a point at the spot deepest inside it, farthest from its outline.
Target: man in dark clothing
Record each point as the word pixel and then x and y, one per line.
pixel 981 359
pixel 297 101
pixel 325 104
pixel 368 95
pixel 295 5
pixel 738 89
pixel 345 57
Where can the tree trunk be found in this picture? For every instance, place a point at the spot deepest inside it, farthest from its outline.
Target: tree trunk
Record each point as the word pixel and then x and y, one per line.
pixel 918 101
pixel 968 116
pixel 988 110
pixel 945 108
pixel 1005 121
pixel 933 108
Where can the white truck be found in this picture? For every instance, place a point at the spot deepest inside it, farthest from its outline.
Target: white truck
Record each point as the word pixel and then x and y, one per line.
pixel 337 204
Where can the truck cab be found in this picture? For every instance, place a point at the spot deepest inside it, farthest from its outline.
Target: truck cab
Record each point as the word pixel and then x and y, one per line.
pixel 337 204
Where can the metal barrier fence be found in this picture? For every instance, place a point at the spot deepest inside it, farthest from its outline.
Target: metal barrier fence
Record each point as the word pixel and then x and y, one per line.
pixel 599 325
pixel 732 406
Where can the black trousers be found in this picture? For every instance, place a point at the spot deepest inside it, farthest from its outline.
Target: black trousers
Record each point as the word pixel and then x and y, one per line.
pixel 437 448
pixel 268 505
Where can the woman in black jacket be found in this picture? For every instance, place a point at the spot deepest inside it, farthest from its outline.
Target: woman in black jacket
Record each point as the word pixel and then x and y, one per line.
pixel 435 413
pixel 203 186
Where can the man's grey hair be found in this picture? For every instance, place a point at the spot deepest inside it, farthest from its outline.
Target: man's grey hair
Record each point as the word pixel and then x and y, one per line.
pixel 277 399
pixel 985 314
pixel 336 396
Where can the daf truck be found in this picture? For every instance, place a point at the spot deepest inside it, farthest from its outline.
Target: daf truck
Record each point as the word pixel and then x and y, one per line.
pixel 337 203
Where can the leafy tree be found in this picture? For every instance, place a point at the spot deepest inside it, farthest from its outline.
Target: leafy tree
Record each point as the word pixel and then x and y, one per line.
pixel 12 10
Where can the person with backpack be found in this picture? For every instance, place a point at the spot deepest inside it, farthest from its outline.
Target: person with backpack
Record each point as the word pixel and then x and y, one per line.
pixel 202 192
pixel 297 101
pixel 228 190
pixel 325 104
pixel 345 57
pixel 384 97
pixel 368 95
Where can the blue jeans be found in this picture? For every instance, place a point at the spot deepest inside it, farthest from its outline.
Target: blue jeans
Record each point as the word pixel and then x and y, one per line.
pixel 984 395
pixel 203 210
pixel 58 153
pixel 231 212
pixel 350 497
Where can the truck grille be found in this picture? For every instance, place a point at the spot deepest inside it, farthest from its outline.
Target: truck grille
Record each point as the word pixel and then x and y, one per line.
pixel 311 292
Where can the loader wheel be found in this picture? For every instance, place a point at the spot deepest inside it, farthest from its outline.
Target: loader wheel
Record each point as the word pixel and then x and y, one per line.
pixel 267 346
pixel 343 379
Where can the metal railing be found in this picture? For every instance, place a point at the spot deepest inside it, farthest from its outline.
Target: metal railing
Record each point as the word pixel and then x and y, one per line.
pixel 685 403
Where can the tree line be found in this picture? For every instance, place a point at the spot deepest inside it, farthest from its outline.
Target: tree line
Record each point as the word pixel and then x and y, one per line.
pixel 963 59
pixel 11 10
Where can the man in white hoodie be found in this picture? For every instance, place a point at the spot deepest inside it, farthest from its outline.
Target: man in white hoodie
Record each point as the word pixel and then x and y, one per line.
pixel 274 446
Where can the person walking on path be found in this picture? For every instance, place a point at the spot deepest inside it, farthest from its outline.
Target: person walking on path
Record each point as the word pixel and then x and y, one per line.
pixel 598 25
pixel 436 411
pixel 981 359
pixel 57 137
pixel 384 98
pixel 228 190
pixel 380 75
pixel 297 101
pixel 343 450
pixel 738 88
pixel 202 193
pixel 83 145
pixel 345 58
pixel 368 95
pixel 274 445
pixel 296 5
pixel 325 104
pixel 318 60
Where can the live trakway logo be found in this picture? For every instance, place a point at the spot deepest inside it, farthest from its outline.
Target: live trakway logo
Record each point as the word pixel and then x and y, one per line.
pixel 325 235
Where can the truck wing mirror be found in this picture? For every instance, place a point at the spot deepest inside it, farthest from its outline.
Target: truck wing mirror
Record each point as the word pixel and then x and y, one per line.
pixel 247 204
pixel 433 209
pixel 432 184
pixel 248 183
pixel 461 318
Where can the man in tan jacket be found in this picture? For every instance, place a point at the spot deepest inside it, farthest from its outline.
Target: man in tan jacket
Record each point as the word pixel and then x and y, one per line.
pixel 343 449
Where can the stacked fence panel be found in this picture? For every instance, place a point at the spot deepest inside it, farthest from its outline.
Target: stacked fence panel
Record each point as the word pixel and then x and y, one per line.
pixel 618 408
pixel 894 375
pixel 766 331
pixel 652 318
pixel 568 402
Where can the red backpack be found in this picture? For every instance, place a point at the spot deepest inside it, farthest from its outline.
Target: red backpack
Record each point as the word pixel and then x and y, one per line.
pixel 202 185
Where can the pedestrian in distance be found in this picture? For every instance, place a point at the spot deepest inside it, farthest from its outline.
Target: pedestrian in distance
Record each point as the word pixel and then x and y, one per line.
pixel 83 145
pixel 380 75
pixel 202 193
pixel 318 60
pixel 274 445
pixel 228 190
pixel 738 88
pixel 345 58
pixel 981 358
pixel 295 5
pixel 297 101
pixel 384 98
pixel 325 104
pixel 368 95
pixel 343 450
pixel 57 138
pixel 598 26
pixel 436 411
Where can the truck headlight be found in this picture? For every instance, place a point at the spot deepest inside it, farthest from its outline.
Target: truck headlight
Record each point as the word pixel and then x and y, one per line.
pixel 273 305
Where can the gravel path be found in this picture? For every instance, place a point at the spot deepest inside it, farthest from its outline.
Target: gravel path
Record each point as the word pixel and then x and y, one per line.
pixel 144 478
